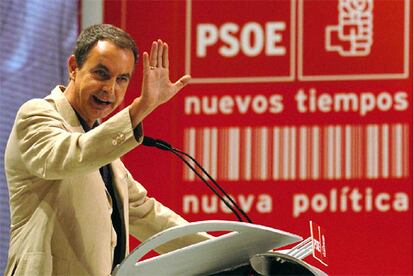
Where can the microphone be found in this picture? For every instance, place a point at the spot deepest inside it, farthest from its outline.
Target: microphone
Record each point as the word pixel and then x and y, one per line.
pixel 160 144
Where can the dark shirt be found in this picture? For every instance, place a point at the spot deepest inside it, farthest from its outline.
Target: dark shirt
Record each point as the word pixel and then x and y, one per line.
pixel 117 211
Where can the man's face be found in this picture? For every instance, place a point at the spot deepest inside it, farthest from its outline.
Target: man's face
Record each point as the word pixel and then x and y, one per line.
pixel 100 84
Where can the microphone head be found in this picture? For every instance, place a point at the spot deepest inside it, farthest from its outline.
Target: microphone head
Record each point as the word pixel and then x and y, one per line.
pixel 149 142
pixel 160 144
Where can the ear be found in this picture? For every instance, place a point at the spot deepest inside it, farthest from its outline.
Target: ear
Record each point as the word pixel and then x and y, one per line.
pixel 72 67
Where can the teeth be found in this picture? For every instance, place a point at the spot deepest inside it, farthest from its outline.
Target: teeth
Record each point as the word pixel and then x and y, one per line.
pixel 101 101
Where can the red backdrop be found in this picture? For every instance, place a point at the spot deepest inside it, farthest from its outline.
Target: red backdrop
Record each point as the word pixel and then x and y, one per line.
pixel 302 110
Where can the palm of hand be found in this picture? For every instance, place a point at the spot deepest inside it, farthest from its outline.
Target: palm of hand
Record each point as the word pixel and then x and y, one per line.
pixel 156 86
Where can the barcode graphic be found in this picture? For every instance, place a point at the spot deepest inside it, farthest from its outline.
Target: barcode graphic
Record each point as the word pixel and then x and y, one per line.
pixel 371 151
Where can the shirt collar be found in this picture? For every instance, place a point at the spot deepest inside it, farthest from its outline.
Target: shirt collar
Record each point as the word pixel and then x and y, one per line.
pixel 83 123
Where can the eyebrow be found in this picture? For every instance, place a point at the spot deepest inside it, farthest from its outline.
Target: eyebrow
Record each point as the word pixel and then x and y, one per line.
pixel 101 66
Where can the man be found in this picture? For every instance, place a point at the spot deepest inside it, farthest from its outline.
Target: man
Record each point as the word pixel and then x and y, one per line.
pixel 73 203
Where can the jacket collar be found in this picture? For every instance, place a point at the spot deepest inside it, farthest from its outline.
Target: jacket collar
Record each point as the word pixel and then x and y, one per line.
pixel 64 108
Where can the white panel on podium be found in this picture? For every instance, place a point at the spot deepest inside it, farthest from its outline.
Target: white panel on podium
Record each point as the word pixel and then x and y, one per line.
pixel 229 250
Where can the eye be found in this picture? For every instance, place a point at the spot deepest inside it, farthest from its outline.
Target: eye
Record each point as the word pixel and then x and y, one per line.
pixel 123 79
pixel 101 73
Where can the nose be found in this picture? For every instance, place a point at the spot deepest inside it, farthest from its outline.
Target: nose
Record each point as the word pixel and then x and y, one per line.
pixel 110 86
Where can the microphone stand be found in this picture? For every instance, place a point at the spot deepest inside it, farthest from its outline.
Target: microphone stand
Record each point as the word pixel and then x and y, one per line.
pixel 160 144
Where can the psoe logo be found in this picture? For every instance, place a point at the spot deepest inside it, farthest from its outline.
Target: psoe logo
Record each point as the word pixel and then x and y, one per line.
pixel 353 36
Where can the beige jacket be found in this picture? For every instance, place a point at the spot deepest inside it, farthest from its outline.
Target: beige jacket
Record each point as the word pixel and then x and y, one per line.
pixel 60 209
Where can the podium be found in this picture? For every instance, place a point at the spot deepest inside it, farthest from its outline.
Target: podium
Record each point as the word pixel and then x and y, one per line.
pixel 245 244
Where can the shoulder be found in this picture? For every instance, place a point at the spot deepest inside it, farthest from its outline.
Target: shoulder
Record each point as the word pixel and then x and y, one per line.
pixel 35 105
pixel 37 111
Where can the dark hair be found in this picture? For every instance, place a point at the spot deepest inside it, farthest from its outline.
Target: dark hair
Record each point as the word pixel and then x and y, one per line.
pixel 92 34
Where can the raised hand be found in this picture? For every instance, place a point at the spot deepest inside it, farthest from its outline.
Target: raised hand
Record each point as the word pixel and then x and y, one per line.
pixel 156 85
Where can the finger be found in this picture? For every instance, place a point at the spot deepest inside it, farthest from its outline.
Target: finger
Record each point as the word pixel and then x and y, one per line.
pixel 153 54
pixel 145 61
pixel 182 82
pixel 159 54
pixel 165 61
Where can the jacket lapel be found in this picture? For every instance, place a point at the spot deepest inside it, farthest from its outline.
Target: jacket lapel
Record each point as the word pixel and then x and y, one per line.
pixel 65 109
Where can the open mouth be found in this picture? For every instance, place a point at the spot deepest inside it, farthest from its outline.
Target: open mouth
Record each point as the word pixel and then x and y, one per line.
pixel 99 101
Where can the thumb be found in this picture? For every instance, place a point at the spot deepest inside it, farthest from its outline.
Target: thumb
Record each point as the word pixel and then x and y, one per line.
pixel 183 81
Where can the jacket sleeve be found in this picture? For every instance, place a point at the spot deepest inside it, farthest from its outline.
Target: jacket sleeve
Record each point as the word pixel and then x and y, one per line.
pixel 50 151
pixel 147 217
